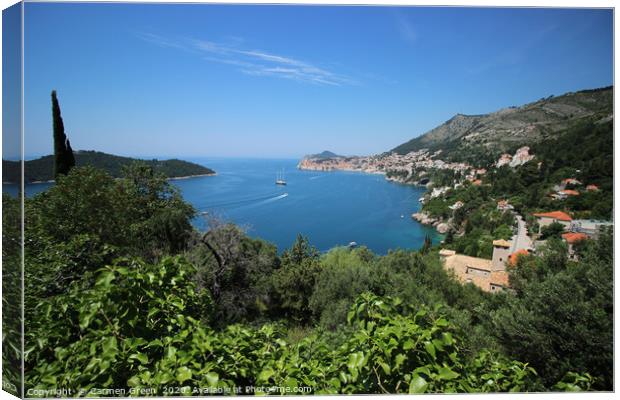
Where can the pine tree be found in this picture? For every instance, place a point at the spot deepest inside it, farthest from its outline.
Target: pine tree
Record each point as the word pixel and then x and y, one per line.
pixel 63 154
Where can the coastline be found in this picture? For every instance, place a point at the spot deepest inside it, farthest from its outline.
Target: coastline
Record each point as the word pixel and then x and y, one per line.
pixel 363 171
pixel 190 176
pixel 170 179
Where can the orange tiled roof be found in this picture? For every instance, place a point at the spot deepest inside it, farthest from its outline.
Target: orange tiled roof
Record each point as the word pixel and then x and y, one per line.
pixel 559 215
pixel 574 237
pixel 570 192
pixel 591 188
pixel 515 256
pixel 477 182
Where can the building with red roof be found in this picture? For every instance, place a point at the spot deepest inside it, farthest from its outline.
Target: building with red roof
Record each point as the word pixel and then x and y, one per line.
pixel 548 218
pixel 571 181
pixel 572 238
pixel 592 188
pixel 514 257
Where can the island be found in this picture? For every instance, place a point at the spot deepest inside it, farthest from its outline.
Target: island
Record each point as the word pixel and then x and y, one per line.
pixel 42 169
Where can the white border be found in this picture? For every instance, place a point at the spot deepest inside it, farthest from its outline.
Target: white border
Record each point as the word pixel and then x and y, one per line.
pixel 476 3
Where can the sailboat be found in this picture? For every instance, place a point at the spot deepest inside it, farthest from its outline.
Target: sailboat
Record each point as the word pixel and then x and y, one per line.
pixel 280 179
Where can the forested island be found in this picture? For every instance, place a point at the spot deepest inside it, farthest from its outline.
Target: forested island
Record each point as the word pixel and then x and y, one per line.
pixel 42 169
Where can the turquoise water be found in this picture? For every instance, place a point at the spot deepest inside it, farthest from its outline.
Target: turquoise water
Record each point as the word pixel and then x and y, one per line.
pixel 331 208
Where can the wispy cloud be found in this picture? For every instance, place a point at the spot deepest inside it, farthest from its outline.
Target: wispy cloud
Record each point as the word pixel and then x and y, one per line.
pixel 251 61
pixel 406 28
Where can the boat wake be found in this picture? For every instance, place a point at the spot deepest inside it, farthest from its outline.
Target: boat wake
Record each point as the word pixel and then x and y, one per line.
pixel 283 195
pixel 254 200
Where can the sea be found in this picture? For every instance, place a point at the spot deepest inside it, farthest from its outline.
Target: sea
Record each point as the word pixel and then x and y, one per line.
pixel 333 208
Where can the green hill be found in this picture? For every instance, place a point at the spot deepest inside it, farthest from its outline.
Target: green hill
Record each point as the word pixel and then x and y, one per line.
pixel 324 155
pixel 42 169
pixel 481 136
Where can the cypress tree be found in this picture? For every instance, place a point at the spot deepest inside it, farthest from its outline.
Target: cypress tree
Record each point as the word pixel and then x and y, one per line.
pixel 63 154
pixel 428 243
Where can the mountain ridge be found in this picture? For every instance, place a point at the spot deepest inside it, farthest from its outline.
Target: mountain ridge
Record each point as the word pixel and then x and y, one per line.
pixel 507 128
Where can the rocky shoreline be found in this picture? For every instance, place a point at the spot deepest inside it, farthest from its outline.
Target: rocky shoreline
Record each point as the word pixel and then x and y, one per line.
pixel 425 219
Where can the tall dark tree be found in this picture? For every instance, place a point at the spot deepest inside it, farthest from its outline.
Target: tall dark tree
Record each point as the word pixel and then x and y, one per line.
pixel 63 154
pixel 428 243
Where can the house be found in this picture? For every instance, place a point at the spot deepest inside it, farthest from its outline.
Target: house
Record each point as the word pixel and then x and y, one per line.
pixel 564 193
pixel 501 252
pixel 570 181
pixel 476 182
pixel 488 275
pixel 456 205
pixel 572 238
pixel 589 227
pixel 548 218
pixel 474 270
pixel 514 257
pixel 503 205
pixel 592 188
pixel 558 195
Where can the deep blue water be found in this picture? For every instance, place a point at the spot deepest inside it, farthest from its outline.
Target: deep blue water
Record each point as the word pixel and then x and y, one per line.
pixel 331 208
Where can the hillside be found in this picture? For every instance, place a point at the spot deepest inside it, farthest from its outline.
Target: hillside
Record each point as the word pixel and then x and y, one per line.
pixel 324 154
pixel 42 168
pixel 467 137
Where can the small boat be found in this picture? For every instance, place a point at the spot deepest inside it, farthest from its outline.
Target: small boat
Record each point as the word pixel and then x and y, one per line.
pixel 280 179
pixel 352 245
pixel 402 216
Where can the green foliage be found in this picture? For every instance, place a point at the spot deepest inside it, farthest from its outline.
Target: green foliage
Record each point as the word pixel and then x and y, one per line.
pixel 438 208
pixel 239 277
pixel 428 243
pixel 139 328
pixel 574 382
pixel 295 280
pixel 562 317
pixel 553 230
pixel 142 213
pixel 99 336
pixel 345 274
pixel 12 315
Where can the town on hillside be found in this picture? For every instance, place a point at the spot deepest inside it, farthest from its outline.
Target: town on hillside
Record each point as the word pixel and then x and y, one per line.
pixel 504 184
pixel 488 273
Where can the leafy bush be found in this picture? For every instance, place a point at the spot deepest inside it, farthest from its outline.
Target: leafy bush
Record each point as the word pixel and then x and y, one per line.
pixel 141 214
pixel 345 274
pixel 102 335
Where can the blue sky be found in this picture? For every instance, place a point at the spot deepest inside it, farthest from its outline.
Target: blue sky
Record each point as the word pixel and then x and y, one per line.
pixel 283 81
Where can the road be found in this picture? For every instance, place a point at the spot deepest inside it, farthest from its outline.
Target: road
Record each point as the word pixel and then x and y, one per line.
pixel 521 240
